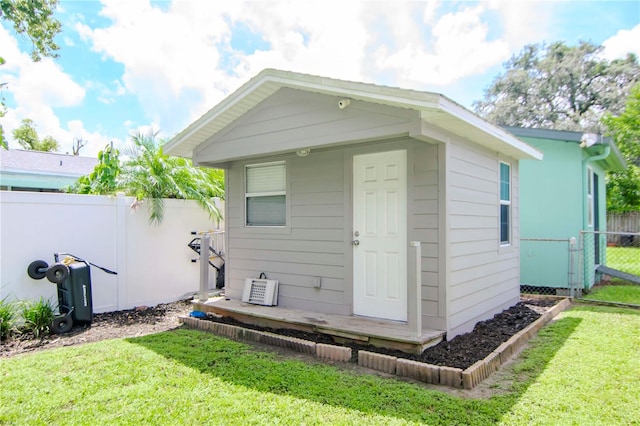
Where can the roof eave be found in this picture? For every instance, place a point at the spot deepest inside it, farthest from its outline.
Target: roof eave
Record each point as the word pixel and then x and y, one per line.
pixel 269 81
pixel 513 146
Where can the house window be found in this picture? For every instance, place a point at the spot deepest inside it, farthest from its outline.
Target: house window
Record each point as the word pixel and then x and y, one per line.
pixel 265 194
pixel 590 205
pixel 505 204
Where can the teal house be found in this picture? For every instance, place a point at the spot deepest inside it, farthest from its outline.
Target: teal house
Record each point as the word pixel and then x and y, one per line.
pixel 563 207
pixel 38 171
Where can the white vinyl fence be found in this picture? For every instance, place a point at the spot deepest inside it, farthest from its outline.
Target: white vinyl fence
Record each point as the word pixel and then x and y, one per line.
pixel 153 262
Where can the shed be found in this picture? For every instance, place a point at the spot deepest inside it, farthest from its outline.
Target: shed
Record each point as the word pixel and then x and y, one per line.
pixel 564 197
pixel 386 215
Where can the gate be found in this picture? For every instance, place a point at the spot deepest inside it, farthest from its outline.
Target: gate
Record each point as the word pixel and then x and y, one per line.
pixel 612 257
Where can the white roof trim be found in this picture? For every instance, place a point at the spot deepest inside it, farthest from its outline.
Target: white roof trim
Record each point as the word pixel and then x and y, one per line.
pixel 269 81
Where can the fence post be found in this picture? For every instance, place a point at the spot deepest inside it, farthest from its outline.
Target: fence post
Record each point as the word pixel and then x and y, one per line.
pixel 572 263
pixel 122 222
pixel 205 241
pixel 414 295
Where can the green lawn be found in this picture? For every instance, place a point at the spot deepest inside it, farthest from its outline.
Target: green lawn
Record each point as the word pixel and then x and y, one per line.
pixel 582 369
pixel 625 259
pixel 616 293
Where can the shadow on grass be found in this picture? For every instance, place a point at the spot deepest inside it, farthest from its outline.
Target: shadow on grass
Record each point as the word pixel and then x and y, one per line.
pixel 243 365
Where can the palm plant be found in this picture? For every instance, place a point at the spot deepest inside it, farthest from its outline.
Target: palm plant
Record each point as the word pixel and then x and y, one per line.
pixel 150 176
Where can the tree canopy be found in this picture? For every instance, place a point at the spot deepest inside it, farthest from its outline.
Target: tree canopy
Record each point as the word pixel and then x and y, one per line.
pixel 34 19
pixel 27 136
pixel 103 180
pixel 559 87
pixel 623 188
pixel 151 176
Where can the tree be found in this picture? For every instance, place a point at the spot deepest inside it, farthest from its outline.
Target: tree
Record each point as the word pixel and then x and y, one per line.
pixel 27 136
pixel 559 87
pixel 623 188
pixel 150 176
pixel 78 144
pixel 33 19
pixel 103 180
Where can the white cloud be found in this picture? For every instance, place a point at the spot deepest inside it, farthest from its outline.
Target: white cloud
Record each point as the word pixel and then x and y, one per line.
pixel 523 21
pixel 41 82
pixel 459 48
pixel 622 43
pixel 165 53
pixel 179 60
pixel 36 89
pixel 48 124
pixel 311 37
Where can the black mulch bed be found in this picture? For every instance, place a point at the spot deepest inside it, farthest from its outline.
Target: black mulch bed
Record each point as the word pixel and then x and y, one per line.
pixel 460 352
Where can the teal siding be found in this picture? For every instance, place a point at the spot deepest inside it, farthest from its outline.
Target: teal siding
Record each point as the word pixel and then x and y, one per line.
pixel 553 206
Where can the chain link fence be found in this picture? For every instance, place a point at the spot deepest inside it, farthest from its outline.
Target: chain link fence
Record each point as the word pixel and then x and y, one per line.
pixel 610 258
pixel 579 266
pixel 548 266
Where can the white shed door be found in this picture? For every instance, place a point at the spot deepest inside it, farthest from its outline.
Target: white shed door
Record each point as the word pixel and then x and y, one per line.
pixel 380 235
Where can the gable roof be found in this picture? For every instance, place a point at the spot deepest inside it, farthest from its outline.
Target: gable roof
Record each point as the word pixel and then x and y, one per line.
pixel 614 161
pixel 434 109
pixel 39 169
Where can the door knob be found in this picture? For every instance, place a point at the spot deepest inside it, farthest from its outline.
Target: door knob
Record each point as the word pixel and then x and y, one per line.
pixel 356 242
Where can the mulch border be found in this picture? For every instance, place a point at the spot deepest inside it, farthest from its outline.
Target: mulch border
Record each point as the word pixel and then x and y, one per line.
pixel 428 373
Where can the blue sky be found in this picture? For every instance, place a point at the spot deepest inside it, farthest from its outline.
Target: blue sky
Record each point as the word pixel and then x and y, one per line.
pixel 129 65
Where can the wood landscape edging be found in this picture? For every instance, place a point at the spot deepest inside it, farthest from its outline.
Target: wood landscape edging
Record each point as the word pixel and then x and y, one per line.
pixel 428 373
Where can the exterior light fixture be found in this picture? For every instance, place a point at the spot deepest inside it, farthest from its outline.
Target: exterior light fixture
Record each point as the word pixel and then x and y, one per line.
pixel 343 103
pixel 588 139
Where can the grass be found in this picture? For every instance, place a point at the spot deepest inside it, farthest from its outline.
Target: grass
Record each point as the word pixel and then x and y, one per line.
pixel 616 293
pixel 582 369
pixel 624 259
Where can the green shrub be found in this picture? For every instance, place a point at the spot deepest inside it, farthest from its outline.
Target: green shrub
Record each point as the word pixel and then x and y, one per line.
pixel 7 318
pixel 38 316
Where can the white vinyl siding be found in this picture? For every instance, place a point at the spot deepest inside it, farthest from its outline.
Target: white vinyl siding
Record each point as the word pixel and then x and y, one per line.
pixel 424 227
pixel 505 204
pixel 312 245
pixel 483 278
pixel 265 194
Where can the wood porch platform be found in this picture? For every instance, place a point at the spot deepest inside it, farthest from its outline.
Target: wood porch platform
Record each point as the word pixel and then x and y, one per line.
pixel 343 328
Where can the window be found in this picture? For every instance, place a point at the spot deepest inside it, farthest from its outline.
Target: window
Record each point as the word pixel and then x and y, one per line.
pixel 265 194
pixel 590 197
pixel 505 204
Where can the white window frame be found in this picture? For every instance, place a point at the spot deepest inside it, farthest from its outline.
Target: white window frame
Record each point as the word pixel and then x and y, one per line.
pixel 590 200
pixel 248 195
pixel 506 242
